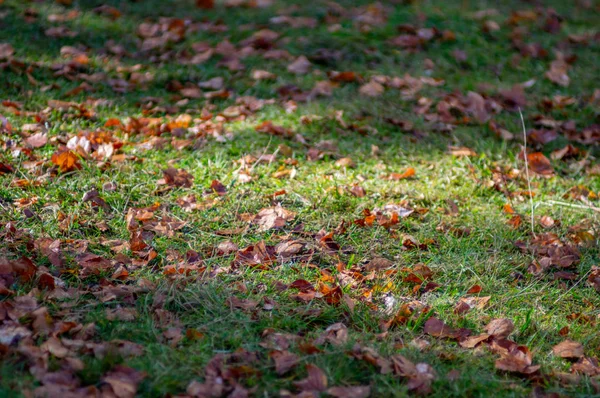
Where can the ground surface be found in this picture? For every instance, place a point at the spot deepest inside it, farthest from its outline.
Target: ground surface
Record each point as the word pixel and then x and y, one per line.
pixel 299 198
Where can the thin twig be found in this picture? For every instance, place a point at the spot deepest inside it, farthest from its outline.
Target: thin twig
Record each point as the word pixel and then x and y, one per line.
pixel 527 172
pixel 263 154
pixel 573 205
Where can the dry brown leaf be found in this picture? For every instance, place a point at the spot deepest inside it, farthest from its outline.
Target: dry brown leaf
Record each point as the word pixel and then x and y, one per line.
pixel 272 217
pixel 300 66
pixel 124 381
pixel 378 264
pixel 372 89
pixel 6 51
pixel 461 151
pixel 500 328
pixel 558 73
pixel 315 382
pixel 540 164
pixel 284 361
pixel 37 140
pixel 345 163
pixel 568 349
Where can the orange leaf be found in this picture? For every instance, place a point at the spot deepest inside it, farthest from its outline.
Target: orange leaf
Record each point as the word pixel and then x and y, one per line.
pixel 409 173
pixel 539 164
pixel 66 160
pixel 474 289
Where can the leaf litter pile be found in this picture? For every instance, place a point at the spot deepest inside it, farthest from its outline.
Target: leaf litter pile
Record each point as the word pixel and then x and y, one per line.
pixel 268 198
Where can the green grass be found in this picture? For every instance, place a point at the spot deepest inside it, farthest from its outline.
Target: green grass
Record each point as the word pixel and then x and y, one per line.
pixel 318 194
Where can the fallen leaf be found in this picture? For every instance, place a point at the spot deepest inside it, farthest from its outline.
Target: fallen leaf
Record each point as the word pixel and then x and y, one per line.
pixel 124 381
pixel 37 140
pixel 345 163
pixel 6 51
pixel 500 328
pixel 205 4
pixel 437 328
pixel 176 178
pixel 300 66
pixel 315 382
pixel 587 366
pixel 547 222
pixel 378 264
pixel 372 89
pixel 284 361
pixel 516 359
pixel 336 334
pixel 409 173
pixel 568 349
pixel 558 73
pixel 272 217
pixel 461 151
pixel 420 376
pixel 539 164
pixel 66 160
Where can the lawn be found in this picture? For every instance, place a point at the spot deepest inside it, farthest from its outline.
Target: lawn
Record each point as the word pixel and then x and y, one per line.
pixel 299 199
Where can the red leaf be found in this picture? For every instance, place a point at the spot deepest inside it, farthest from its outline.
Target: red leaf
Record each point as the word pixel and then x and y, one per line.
pixel 205 4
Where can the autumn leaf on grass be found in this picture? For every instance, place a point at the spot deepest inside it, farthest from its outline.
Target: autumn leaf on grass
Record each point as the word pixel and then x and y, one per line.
pixel 300 66
pixel 473 341
pixel 558 72
pixel 343 77
pixel 567 152
pixel 594 278
pixel 465 304
pixel 358 191
pixel 6 51
pixel 272 217
pixel 500 328
pixel 371 89
pixel 22 268
pixel 284 361
pixel 269 128
pixel 37 140
pixel 587 366
pixel 176 178
pixel 514 358
pixel 245 304
pixel 316 381
pixel 108 11
pixel 66 160
pixel 420 375
pixel 259 74
pixel 258 255
pixel 5 168
pixel 205 4
pixel 336 334
pixel 437 328
pixel 345 163
pixel 461 151
pixel 539 164
pixel 378 264
pixel 92 264
pixel 217 187
pixel 568 349
pixel 124 381
pixel 409 173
